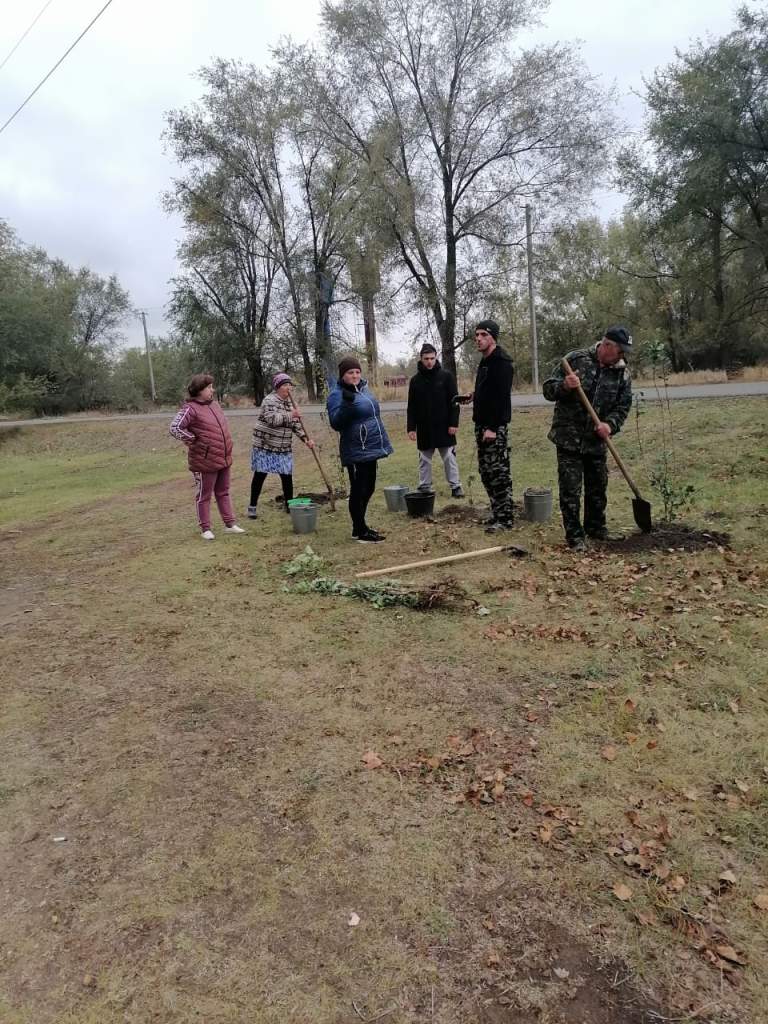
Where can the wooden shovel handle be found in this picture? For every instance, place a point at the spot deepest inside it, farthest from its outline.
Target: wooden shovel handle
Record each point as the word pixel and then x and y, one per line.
pixel 331 497
pixel 597 421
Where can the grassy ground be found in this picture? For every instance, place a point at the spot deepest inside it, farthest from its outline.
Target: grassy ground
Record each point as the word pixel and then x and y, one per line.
pixel 552 812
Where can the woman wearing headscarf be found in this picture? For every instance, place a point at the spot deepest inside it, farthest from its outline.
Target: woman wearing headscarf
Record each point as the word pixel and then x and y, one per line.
pixel 278 420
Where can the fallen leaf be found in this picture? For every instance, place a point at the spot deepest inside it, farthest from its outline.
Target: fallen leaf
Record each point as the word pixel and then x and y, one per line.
pixel 691 794
pixel 729 953
pixel 545 833
pixel 561 973
pixel 761 901
pixel 622 892
pixel 371 760
pixel 489 924
pixel 354 920
pixel 608 753
pixel 727 878
pixel 676 884
pixel 742 786
pixel 647 918
pixel 493 959
pixel 629 705
pixel 652 744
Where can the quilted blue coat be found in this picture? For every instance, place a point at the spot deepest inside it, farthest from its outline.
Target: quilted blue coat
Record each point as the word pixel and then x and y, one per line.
pixel 354 412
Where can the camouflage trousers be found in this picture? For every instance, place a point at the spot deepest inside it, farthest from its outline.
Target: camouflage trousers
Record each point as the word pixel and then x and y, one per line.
pixel 493 464
pixel 572 469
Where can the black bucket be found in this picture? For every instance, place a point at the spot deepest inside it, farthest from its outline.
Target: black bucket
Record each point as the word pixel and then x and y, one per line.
pixel 420 504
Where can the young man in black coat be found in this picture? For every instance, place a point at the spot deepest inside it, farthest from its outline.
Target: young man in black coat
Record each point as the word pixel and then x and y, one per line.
pixel 491 413
pixel 433 419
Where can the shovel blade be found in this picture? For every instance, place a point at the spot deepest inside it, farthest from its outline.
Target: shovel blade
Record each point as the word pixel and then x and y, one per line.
pixel 642 513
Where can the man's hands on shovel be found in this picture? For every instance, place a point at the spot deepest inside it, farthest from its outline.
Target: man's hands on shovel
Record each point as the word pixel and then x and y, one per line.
pixel 572 382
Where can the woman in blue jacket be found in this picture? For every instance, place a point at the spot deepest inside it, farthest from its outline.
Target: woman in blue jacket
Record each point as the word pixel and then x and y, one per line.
pixel 354 413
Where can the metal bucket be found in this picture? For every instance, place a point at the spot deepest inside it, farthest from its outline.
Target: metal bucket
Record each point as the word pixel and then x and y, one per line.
pixel 303 518
pixel 395 498
pixel 537 502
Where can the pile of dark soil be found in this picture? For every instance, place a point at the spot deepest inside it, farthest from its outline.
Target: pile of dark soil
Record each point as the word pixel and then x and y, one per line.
pixel 319 497
pixel 457 514
pixel 469 514
pixel 672 535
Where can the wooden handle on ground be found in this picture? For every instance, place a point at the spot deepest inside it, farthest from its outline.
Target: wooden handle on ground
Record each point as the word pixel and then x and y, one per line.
pixel 326 481
pixel 597 421
pixel 440 561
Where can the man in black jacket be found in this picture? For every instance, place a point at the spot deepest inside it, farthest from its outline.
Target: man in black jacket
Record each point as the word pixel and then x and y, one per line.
pixel 433 419
pixel 491 413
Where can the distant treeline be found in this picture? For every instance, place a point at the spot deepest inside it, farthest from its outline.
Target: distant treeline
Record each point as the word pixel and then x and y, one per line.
pixel 389 166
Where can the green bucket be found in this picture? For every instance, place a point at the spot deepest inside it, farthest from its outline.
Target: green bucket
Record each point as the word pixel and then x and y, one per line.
pixel 299 502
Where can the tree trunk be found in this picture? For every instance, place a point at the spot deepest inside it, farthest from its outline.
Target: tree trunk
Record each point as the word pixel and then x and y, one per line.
pixel 718 291
pixel 448 326
pixel 322 339
pixel 371 349
pixel 257 375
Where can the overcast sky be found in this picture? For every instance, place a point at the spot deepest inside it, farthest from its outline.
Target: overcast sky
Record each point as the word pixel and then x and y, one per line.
pixel 82 167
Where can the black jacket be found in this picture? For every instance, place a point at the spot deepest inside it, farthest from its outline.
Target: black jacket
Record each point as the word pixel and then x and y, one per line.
pixel 492 405
pixel 431 409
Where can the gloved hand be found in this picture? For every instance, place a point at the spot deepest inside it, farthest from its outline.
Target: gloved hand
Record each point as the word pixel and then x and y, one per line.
pixel 348 396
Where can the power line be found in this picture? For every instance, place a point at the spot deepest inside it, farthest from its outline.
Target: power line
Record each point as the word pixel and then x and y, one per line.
pixel 25 34
pixel 58 62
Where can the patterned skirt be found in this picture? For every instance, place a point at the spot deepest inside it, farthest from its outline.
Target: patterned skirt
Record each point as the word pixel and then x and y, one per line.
pixel 271 462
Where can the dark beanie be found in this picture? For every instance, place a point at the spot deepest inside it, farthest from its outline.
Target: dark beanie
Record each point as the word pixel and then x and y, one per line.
pixel 621 337
pixel 489 325
pixel 426 348
pixel 349 363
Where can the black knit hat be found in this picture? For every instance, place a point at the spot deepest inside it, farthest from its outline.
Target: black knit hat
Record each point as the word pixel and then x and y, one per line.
pixel 489 325
pixel 620 336
pixel 349 363
pixel 426 348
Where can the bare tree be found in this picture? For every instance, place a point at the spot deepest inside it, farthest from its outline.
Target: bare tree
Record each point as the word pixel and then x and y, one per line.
pixel 457 132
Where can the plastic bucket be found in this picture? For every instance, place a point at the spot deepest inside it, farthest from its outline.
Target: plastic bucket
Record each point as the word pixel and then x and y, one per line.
pixel 419 504
pixel 303 517
pixel 537 502
pixel 395 498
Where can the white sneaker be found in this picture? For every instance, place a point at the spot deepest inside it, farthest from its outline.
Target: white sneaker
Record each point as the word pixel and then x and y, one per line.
pixel 208 535
pixel 234 528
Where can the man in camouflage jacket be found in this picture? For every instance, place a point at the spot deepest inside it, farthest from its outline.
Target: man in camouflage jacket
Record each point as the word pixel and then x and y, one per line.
pixel 581 450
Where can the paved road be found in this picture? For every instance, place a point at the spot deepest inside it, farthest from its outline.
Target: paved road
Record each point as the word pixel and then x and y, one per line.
pixel 731 390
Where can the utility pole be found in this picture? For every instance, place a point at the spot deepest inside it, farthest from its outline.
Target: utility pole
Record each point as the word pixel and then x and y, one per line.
pixel 531 298
pixel 143 316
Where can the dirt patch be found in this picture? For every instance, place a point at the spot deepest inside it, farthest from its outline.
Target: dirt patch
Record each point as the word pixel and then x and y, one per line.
pixel 577 987
pixel 457 514
pixel 469 514
pixel 672 535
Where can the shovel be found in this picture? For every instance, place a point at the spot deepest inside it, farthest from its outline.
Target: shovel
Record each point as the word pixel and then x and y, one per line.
pixel 641 508
pixel 326 481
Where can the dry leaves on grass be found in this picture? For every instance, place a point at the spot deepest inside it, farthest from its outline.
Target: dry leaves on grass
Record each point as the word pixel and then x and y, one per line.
pixel 761 901
pixel 518 631
pixel 622 892
pixel 372 760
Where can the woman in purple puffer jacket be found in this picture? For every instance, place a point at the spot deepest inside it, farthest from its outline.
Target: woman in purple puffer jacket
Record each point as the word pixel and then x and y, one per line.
pixel 201 425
